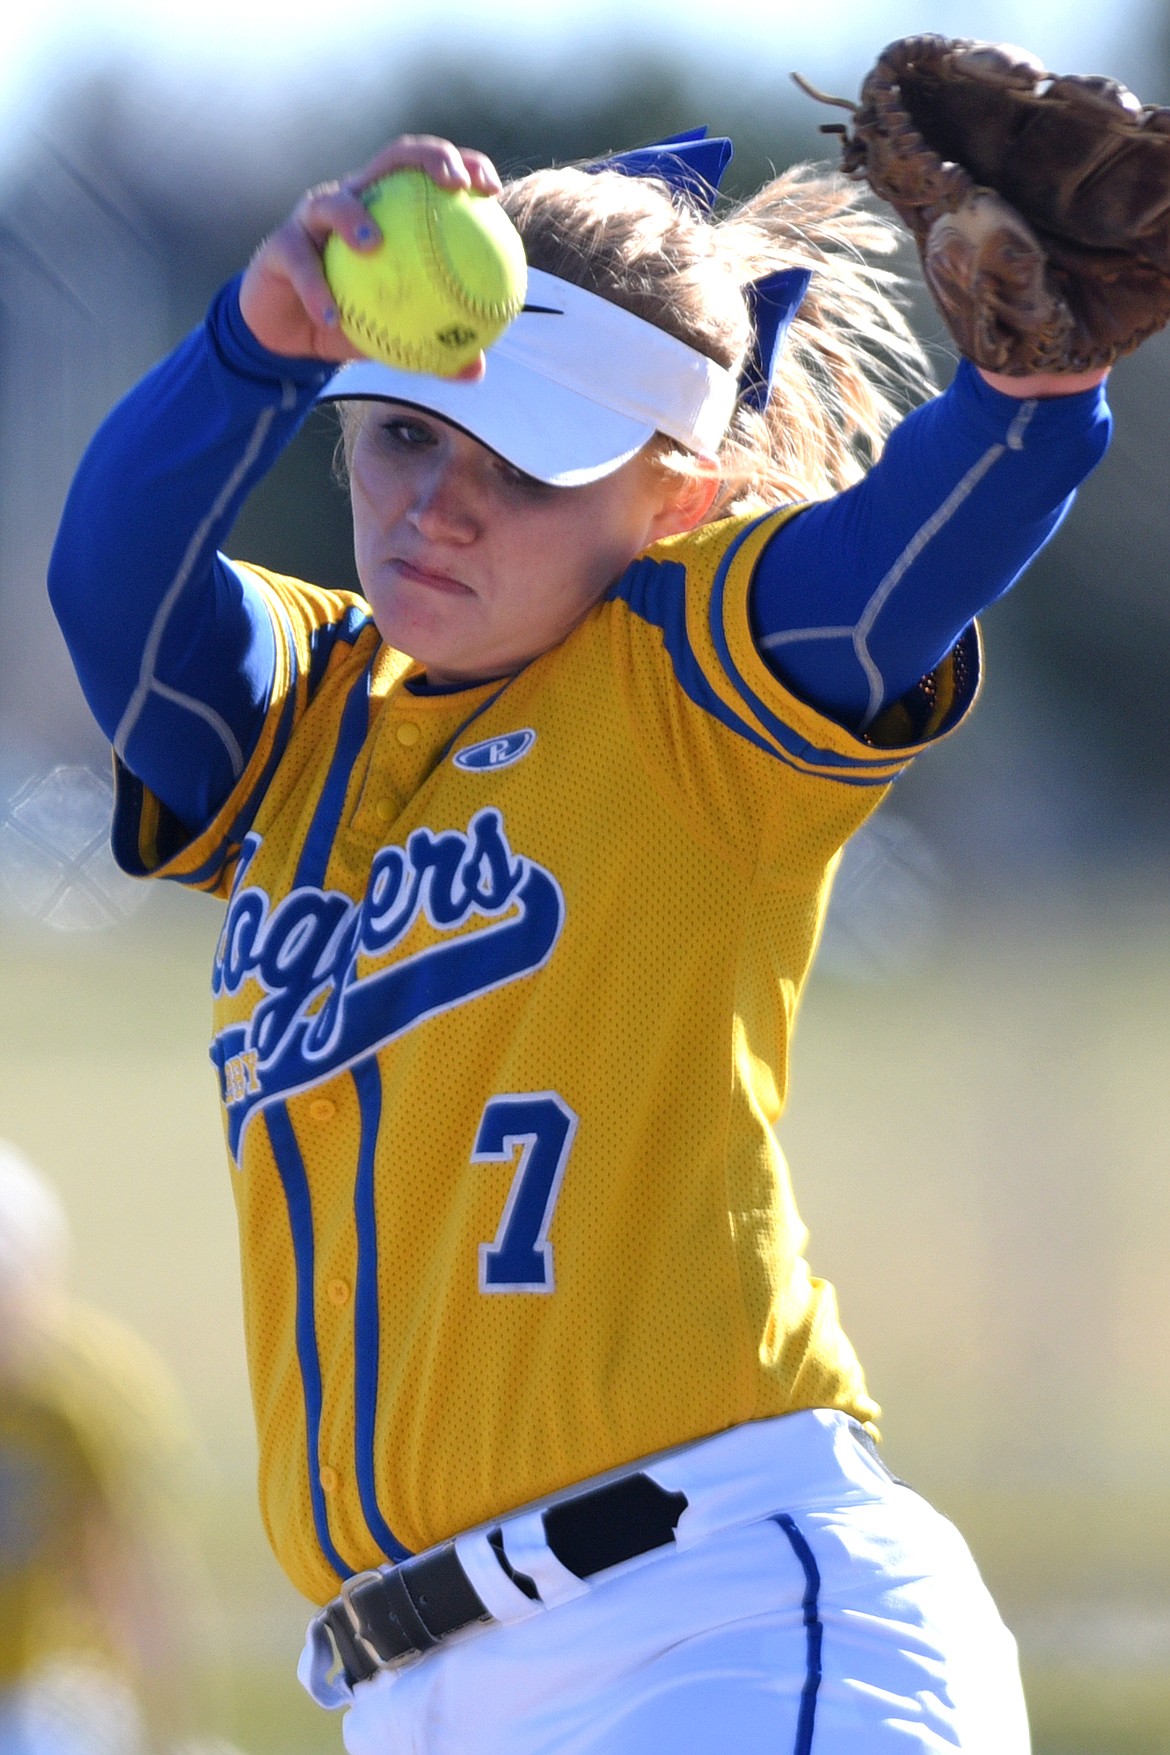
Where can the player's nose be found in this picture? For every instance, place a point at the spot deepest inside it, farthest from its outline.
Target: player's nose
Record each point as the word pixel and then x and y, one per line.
pixel 443 506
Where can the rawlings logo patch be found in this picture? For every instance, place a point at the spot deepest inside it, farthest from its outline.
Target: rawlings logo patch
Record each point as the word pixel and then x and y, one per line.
pixel 496 752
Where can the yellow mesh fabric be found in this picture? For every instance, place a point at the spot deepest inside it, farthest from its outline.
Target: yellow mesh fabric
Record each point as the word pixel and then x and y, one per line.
pixel 688 813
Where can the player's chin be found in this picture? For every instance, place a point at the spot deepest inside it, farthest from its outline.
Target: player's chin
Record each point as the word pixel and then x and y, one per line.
pixel 427 626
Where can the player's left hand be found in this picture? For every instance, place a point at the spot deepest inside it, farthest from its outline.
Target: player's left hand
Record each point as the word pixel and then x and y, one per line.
pixel 1040 205
pixel 284 296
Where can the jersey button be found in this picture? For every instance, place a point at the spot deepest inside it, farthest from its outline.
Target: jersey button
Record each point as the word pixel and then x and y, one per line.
pixel 408 732
pixel 328 1479
pixel 322 1109
pixel 384 810
pixel 338 1291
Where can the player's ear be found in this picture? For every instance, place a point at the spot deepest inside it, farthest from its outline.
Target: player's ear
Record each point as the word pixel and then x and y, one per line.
pixel 687 499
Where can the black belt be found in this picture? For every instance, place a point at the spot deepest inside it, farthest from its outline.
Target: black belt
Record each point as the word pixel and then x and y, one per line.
pixel 385 1615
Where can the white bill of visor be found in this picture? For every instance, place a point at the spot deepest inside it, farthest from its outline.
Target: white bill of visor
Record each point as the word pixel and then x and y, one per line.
pixel 574 388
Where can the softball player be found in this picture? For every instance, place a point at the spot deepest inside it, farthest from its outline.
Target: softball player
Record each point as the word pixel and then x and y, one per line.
pixel 525 853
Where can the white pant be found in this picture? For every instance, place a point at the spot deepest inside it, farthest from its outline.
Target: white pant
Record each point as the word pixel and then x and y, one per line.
pixel 810 1605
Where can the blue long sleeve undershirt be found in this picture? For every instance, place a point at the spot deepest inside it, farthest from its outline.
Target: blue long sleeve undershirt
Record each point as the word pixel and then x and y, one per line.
pixel 862 595
pixel 853 601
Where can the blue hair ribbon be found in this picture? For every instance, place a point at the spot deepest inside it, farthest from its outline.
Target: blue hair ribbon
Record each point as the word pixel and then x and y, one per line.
pixel 773 302
pixel 690 163
pixel 693 163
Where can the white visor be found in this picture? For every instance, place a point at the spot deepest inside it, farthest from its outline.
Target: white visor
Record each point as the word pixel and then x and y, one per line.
pixel 574 387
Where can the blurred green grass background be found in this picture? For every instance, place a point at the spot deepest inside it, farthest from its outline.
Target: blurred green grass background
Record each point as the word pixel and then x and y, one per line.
pixel 980 1148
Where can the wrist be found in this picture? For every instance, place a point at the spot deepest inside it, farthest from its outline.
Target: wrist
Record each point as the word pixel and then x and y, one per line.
pixel 240 347
pixel 1042 384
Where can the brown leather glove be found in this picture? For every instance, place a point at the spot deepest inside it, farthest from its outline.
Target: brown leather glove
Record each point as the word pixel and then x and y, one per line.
pixel 1040 205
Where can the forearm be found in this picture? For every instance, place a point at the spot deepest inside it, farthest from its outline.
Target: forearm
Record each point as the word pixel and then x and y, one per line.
pixel 172 650
pixel 862 595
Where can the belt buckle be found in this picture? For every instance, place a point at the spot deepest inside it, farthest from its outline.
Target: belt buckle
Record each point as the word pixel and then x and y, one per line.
pixel 353 1615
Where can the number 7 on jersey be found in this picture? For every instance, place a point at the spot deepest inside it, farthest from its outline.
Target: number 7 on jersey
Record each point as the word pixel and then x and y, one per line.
pixel 542 1127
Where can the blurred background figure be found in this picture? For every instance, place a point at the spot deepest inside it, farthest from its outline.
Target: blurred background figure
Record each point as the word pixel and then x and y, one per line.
pixel 94 1607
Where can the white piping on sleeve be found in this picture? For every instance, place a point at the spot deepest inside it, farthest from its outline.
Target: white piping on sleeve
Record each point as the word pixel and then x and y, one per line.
pixel 908 556
pixel 860 631
pixel 147 681
pixel 216 721
pixel 1015 433
pixel 796 636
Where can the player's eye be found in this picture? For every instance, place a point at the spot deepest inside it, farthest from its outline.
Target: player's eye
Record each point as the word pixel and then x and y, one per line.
pixel 405 434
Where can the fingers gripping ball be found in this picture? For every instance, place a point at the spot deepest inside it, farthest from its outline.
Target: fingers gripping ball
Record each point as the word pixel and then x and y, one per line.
pixel 447 279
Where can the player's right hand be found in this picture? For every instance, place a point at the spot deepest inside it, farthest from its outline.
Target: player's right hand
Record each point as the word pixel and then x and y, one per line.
pixel 284 296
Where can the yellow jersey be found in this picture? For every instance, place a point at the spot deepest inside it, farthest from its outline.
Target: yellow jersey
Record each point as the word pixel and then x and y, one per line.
pixel 502 1009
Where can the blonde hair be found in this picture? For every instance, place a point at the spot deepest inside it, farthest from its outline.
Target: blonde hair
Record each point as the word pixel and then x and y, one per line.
pixel 850 365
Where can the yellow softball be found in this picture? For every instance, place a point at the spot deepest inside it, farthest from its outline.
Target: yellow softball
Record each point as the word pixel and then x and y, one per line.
pixel 446 280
